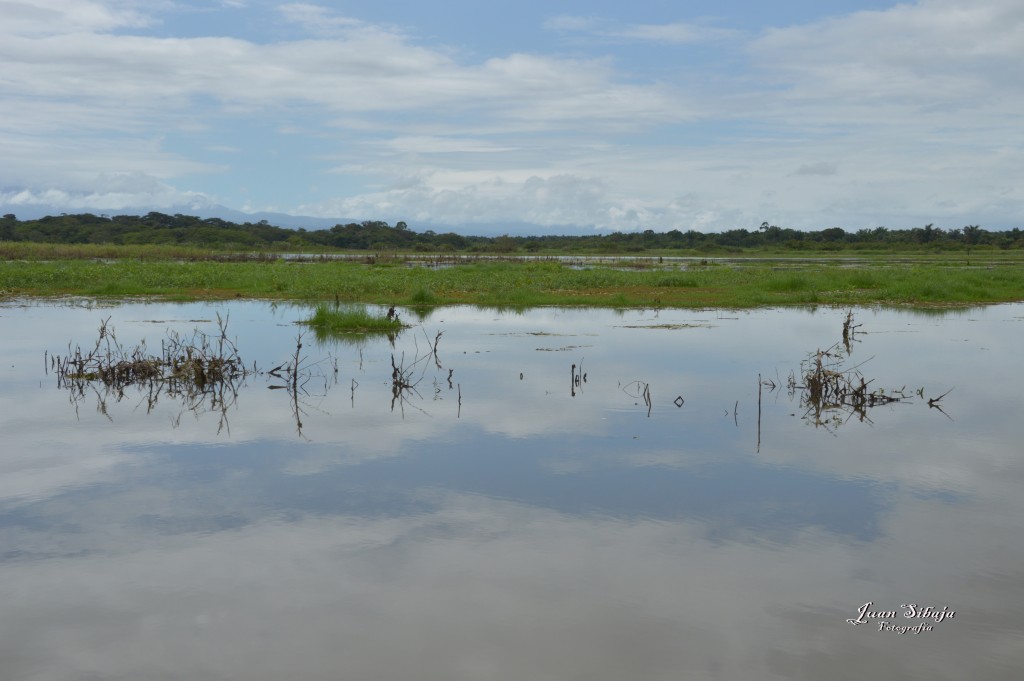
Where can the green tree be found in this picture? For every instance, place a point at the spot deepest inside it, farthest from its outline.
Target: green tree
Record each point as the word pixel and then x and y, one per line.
pixel 924 235
pixel 972 235
pixel 833 234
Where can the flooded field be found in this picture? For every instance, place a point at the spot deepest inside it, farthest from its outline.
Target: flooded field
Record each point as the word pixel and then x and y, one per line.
pixel 549 494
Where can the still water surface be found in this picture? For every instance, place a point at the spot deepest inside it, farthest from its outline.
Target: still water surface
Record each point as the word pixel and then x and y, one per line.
pixel 565 494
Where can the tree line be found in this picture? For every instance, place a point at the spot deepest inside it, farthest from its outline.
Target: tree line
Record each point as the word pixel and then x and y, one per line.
pixel 378 236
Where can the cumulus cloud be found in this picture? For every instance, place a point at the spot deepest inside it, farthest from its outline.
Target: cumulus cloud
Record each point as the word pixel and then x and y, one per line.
pixel 554 200
pixel 119 192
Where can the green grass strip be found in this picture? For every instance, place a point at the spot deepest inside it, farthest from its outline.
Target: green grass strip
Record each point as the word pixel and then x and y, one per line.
pixel 525 284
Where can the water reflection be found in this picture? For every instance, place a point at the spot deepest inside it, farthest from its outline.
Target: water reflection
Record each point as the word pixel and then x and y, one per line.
pixel 541 526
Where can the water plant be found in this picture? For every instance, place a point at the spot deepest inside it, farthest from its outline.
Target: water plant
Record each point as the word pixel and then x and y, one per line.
pixel 331 319
pixel 423 297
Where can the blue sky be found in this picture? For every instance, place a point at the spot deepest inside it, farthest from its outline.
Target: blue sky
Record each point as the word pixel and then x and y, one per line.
pixel 545 117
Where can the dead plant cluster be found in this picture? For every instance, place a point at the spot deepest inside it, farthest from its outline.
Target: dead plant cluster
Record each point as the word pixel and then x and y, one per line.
pixel 202 370
pixel 831 393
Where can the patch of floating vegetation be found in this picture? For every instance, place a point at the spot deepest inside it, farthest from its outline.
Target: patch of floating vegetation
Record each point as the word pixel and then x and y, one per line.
pixel 340 319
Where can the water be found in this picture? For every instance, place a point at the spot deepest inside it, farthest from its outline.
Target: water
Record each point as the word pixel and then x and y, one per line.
pixel 507 519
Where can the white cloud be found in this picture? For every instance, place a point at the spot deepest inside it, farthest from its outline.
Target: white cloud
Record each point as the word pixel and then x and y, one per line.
pixel 552 200
pixel 431 144
pixel 133 86
pixel 918 104
pixel 370 69
pixel 932 55
pixel 55 17
pixel 134 195
pixel 316 19
pixel 676 33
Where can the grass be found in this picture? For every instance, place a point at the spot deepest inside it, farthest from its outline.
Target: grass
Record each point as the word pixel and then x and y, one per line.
pixel 331 319
pixel 519 284
pixel 23 250
pixel 423 296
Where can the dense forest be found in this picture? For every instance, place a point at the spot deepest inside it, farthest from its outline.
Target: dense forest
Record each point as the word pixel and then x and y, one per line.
pixel 379 236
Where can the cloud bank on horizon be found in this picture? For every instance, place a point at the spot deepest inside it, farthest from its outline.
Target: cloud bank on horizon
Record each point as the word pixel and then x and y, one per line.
pixel 713 115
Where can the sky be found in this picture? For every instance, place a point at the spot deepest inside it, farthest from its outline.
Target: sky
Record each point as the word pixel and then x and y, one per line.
pixel 525 116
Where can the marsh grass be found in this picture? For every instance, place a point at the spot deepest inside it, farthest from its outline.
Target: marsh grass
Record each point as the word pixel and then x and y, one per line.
pixel 331 319
pixel 522 284
pixel 423 297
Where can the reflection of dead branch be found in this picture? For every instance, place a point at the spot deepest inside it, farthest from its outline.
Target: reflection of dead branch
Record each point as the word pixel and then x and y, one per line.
pixel 577 378
pixel 433 347
pixel 640 391
pixel 296 375
pixel 760 385
pixel 933 403
pixel 294 370
pixel 405 377
pixel 403 382
pixel 850 332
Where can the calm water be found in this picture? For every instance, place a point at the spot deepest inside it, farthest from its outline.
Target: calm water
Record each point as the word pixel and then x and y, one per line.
pixel 513 517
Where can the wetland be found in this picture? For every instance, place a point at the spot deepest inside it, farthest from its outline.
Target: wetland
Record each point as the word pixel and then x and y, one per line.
pixel 214 489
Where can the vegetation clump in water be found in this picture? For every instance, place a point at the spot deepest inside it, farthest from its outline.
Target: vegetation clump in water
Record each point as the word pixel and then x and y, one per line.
pixel 831 393
pixel 335 319
pixel 204 370
pixel 829 390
